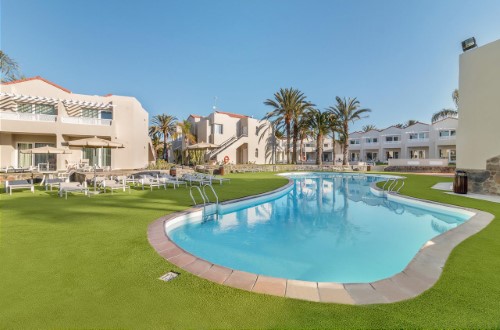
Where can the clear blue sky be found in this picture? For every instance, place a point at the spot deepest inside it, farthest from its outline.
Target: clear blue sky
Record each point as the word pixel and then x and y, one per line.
pixel 400 58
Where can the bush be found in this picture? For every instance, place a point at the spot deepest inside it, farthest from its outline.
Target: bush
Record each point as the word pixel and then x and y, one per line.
pixel 160 164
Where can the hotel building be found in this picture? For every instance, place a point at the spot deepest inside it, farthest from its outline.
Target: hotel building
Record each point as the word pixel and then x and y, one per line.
pixel 35 112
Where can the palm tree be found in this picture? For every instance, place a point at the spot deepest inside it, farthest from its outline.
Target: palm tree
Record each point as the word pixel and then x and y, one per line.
pixel 410 122
pixel 288 104
pixel 368 128
pixel 304 131
pixel 446 113
pixel 155 141
pixel 300 105
pixel 9 68
pixel 320 127
pixel 185 132
pixel 347 111
pixel 334 127
pixel 164 125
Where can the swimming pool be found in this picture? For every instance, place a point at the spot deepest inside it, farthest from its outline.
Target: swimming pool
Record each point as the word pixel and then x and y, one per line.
pixel 323 228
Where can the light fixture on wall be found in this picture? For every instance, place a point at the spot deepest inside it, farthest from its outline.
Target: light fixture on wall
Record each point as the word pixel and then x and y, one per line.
pixel 469 44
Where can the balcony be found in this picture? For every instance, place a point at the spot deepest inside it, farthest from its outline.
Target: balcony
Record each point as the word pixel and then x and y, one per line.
pixel 25 116
pixel 392 143
pixel 86 121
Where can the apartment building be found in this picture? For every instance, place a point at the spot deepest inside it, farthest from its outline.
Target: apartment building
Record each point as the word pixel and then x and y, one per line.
pixel 35 112
pixel 418 141
pixel 241 139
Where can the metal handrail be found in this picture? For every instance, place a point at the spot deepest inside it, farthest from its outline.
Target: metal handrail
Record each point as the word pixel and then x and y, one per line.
pixel 397 191
pixel 201 193
pixel 393 185
pixel 383 187
pixel 213 191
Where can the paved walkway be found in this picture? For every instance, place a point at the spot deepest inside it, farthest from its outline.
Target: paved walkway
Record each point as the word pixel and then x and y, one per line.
pixel 448 187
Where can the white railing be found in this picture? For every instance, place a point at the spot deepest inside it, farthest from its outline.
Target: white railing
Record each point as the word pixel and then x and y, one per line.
pixel 419 140
pixel 453 137
pixel 27 116
pixel 418 162
pixel 86 121
pixel 392 142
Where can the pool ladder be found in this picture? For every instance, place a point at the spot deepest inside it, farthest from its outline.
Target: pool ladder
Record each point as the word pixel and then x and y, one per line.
pixel 392 185
pixel 209 208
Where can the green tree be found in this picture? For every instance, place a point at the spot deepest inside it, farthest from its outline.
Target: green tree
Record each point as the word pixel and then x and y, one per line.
pixel 185 132
pixel 163 125
pixel 9 68
pixel 448 113
pixel 319 123
pixel 288 105
pixel 368 128
pixel 347 111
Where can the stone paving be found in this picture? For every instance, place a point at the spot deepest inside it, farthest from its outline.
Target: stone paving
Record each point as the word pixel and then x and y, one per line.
pixel 420 274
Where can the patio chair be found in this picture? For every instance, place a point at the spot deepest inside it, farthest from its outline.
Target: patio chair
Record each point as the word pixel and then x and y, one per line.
pixel 18 184
pixel 147 182
pixel 167 179
pixel 212 178
pixel 66 187
pixel 113 185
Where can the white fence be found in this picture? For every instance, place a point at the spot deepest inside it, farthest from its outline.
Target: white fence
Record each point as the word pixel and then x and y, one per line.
pixel 86 121
pixel 27 116
pixel 418 162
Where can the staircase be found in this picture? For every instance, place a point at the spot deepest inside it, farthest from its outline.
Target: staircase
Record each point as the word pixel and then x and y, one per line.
pixel 226 144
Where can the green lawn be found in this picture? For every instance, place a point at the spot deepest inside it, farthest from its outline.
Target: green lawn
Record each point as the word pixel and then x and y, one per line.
pixel 86 263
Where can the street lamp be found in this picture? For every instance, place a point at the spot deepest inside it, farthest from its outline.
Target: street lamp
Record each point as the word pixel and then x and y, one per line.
pixel 469 44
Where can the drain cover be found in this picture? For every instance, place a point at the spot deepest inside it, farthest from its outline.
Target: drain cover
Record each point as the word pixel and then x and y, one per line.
pixel 169 276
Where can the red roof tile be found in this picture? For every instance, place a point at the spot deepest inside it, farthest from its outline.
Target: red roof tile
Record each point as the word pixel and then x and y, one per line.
pixel 234 115
pixel 37 78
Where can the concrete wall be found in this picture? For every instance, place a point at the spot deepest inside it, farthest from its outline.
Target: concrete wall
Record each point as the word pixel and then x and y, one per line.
pixel 479 107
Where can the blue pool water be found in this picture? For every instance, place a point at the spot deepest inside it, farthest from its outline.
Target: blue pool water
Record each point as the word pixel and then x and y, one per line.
pixel 327 228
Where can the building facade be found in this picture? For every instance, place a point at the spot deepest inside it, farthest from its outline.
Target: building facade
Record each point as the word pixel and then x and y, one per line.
pixel 241 139
pixel 35 112
pixel 479 108
pixel 418 141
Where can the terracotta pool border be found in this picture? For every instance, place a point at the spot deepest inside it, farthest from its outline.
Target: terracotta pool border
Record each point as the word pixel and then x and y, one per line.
pixel 420 275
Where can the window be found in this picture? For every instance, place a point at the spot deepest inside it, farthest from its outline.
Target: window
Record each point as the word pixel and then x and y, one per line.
pixel 27 160
pixel 447 133
pixel 100 157
pixel 90 113
pixel 392 154
pixel 106 115
pixel 371 156
pixel 394 138
pixel 44 109
pixel 325 145
pixel 256 153
pixel 371 140
pixel 354 141
pixel 419 136
pixel 218 129
pixel 256 130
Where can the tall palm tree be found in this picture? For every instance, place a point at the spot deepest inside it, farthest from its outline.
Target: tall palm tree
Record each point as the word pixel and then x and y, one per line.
pixel 320 127
pixel 445 113
pixel 368 128
pixel 288 104
pixel 188 137
pixel 410 122
pixel 304 132
pixel 347 111
pixel 335 128
pixel 164 125
pixel 9 68
pixel 300 105
pixel 156 142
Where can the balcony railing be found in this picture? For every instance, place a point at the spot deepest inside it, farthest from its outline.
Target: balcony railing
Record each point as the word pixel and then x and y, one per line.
pixel 419 140
pixel 27 116
pixel 392 142
pixel 453 137
pixel 86 121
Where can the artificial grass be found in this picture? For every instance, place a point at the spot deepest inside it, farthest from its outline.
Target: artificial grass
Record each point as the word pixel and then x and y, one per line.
pixel 86 263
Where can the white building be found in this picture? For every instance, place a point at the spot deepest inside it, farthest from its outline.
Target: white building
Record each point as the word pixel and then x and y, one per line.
pixel 241 139
pixel 35 112
pixel 419 141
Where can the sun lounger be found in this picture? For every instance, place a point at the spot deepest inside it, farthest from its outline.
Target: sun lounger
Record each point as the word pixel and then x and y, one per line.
pixel 113 185
pixel 66 187
pixel 167 179
pixel 18 184
pixel 55 182
pixel 212 178
pixel 147 182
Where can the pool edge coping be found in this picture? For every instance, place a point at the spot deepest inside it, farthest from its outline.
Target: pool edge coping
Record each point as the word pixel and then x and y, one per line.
pixel 422 272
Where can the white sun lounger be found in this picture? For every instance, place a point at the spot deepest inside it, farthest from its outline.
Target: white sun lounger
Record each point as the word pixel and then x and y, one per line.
pixel 113 185
pixel 18 184
pixel 152 183
pixel 66 187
